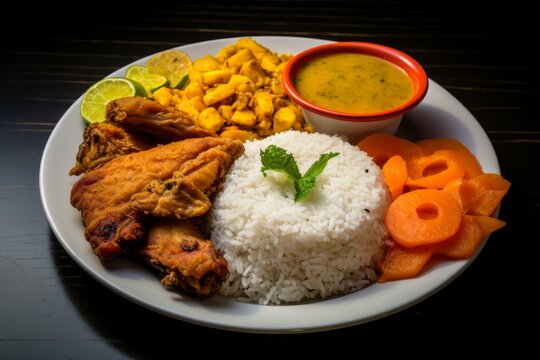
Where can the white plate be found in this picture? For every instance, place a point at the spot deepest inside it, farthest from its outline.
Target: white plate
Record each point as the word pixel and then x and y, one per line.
pixel 439 115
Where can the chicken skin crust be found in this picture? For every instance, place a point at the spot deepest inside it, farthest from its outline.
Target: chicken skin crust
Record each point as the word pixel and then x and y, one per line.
pixel 103 195
pixel 188 261
pixel 145 116
pixel 186 194
pixel 133 124
pixel 102 142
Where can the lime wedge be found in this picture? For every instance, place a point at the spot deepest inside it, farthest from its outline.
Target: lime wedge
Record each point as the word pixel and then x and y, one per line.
pixel 151 82
pixel 96 98
pixel 173 64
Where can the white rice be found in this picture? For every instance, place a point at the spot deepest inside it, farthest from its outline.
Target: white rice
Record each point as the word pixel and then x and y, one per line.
pixel 282 251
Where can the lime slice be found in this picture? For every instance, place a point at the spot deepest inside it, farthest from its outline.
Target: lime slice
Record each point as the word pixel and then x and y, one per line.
pixel 96 98
pixel 151 82
pixel 173 64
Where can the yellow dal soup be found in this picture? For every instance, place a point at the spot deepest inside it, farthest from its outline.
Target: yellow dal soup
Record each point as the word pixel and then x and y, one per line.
pixel 353 83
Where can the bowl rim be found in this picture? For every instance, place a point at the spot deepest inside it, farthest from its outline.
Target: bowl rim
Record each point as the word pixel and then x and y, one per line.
pixel 412 68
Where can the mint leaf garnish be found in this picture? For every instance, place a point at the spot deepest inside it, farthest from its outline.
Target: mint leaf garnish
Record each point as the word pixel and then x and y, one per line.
pixel 318 166
pixel 304 185
pixel 278 159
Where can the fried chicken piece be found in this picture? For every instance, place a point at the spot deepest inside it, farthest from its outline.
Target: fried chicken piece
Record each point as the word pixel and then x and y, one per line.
pixel 103 142
pixel 186 194
pixel 135 124
pixel 165 123
pixel 103 195
pixel 189 262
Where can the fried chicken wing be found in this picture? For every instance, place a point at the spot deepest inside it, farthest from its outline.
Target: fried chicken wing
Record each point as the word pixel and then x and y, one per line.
pixel 186 194
pixel 189 262
pixel 103 195
pixel 103 142
pixel 165 123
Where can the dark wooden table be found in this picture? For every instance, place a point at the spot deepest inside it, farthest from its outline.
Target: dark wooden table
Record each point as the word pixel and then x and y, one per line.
pixel 50 308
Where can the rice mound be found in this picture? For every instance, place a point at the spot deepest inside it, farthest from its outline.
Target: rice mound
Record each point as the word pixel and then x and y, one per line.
pixel 280 251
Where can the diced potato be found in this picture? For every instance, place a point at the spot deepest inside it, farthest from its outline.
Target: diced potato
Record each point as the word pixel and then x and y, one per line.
pixel 198 103
pixel 226 53
pixel 285 57
pixel 297 125
pixel 213 77
pixel 236 61
pixel 163 96
pixel 240 87
pixel 210 119
pixel 264 128
pixel 244 117
pixel 233 132
pixel 280 102
pixel 194 76
pixel 206 63
pixel 176 98
pixel 242 84
pixel 284 118
pixel 257 49
pixel 277 86
pixel 202 65
pixel 194 89
pixel 254 71
pixel 269 62
pixel 220 93
pixel 188 108
pixel 263 105
pixel 242 101
pixel 226 111
pixel 281 67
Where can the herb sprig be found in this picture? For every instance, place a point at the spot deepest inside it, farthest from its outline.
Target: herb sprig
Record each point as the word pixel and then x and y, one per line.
pixel 278 159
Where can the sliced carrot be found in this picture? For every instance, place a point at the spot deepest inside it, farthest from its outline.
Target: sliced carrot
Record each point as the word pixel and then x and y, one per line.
pixel 443 208
pixel 465 157
pixel 464 243
pixel 436 170
pixel 382 147
pixel 401 262
pixel 471 233
pixel 492 188
pixel 454 188
pixel 488 224
pixel 395 175
pixel 423 217
pixel 465 192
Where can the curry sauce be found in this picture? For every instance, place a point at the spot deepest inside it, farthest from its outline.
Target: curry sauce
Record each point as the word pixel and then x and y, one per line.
pixel 354 83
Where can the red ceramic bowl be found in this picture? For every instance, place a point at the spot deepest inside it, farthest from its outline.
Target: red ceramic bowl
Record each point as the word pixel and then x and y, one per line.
pixel 356 125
